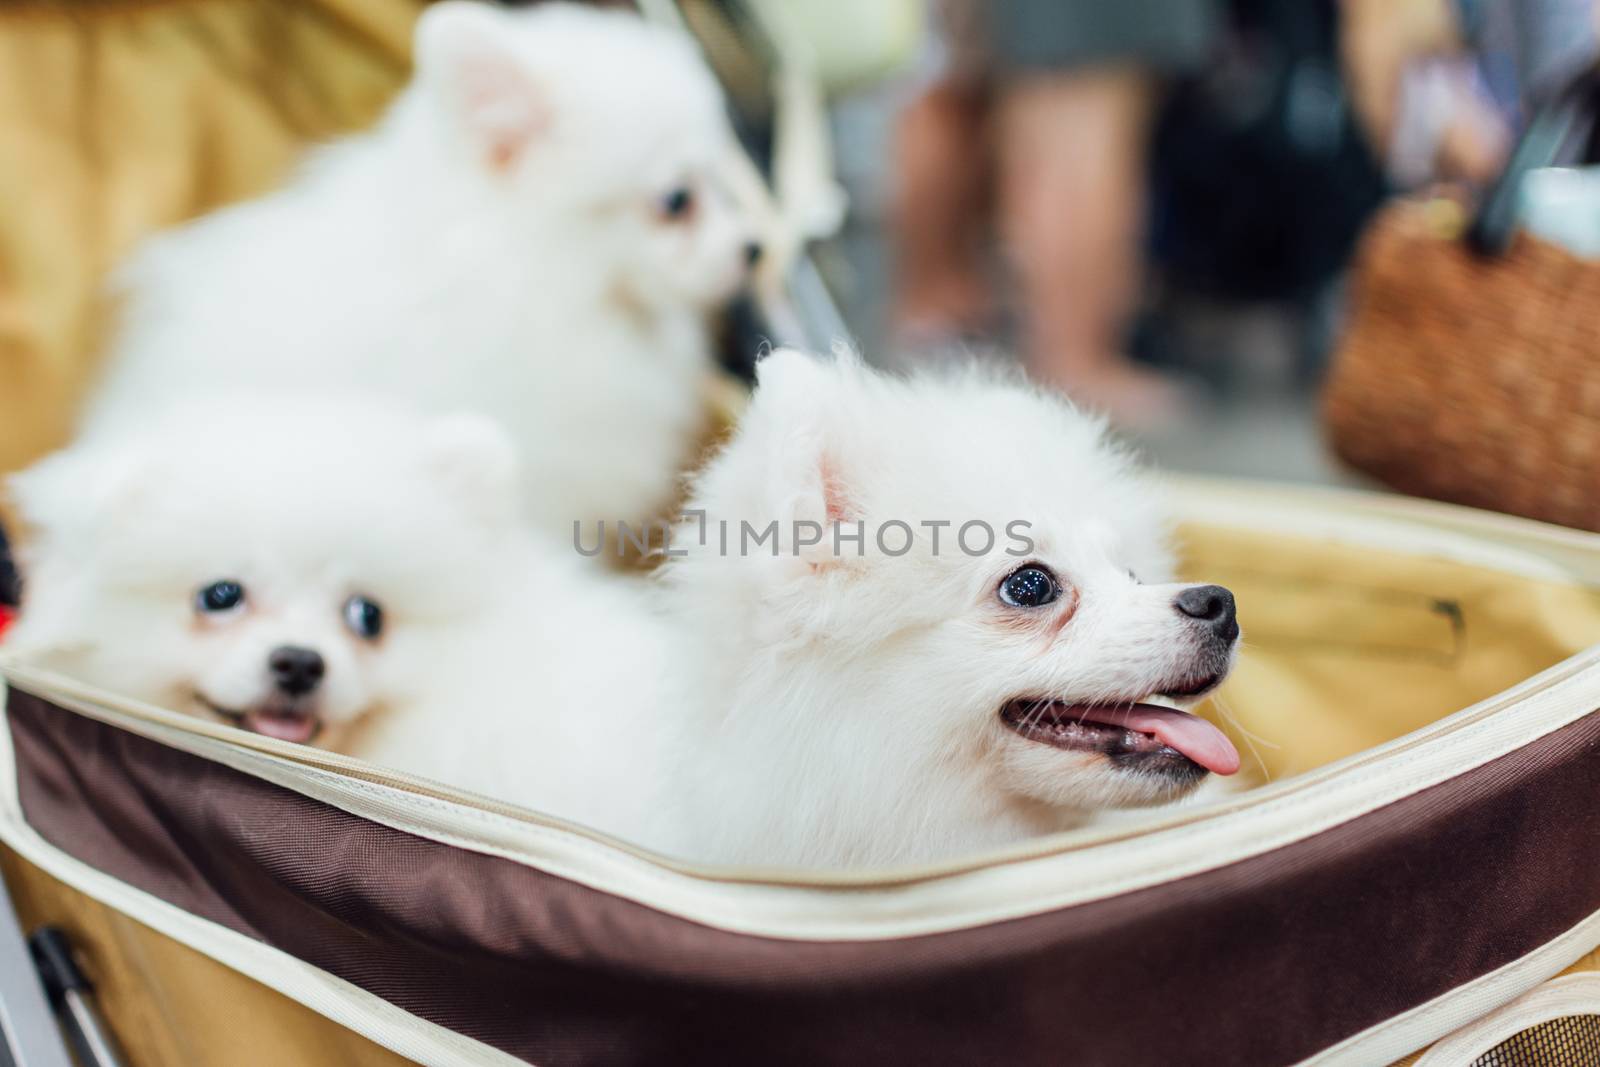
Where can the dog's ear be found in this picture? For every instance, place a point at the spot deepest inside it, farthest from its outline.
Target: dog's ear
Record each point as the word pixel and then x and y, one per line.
pixel 79 488
pixel 475 461
pixel 461 48
pixel 803 408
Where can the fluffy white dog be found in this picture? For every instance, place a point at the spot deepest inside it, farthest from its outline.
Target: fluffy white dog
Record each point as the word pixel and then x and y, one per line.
pixel 535 231
pixel 908 619
pixel 288 569
pixel 963 633
pixel 351 574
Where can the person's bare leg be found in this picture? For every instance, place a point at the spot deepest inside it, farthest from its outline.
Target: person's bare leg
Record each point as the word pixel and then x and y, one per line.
pixel 1072 179
pixel 937 218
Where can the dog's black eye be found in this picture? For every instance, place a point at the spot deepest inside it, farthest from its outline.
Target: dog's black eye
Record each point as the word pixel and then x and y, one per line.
pixel 678 203
pixel 1135 577
pixel 219 596
pixel 364 617
pixel 1029 587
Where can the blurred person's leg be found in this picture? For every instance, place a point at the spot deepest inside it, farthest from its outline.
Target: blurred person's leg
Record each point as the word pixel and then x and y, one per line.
pixel 938 220
pixel 1078 82
pixel 1072 167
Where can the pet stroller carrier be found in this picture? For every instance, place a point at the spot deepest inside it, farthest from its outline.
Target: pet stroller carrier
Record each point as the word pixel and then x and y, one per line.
pixel 1419 696
pixel 1420 690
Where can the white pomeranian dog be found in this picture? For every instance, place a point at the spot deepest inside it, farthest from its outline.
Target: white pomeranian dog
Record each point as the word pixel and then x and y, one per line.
pixel 536 231
pixel 351 574
pixel 963 632
pixel 290 569
pixel 906 620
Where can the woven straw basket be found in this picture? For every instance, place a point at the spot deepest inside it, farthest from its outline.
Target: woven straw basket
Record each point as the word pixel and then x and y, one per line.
pixel 1468 378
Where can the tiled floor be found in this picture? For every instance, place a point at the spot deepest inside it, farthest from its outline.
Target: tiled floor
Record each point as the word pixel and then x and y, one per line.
pixel 1275 438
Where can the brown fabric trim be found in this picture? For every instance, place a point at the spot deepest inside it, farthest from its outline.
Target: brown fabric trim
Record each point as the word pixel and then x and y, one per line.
pixel 1263 962
pixel 160 997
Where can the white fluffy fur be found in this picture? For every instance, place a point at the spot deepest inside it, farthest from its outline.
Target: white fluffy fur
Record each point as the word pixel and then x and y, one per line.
pixel 804 708
pixel 502 659
pixel 496 244
pixel 305 505
pixel 557 698
pixel 814 709
pixel 850 704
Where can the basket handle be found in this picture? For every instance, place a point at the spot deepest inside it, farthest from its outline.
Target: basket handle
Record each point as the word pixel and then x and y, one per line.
pixel 1565 116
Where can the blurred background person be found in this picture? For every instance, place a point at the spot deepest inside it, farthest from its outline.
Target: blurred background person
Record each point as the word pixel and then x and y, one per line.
pixel 1177 190
pixel 1441 86
pixel 1043 109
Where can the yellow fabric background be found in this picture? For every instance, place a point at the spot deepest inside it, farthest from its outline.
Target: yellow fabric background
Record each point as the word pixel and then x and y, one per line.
pixel 119 117
pixel 1346 647
pixel 170 1006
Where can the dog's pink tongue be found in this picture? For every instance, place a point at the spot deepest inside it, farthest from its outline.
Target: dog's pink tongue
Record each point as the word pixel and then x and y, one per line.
pixel 283 726
pixel 1189 734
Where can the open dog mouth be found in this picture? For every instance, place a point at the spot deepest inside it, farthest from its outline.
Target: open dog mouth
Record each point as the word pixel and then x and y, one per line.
pixel 286 722
pixel 1130 729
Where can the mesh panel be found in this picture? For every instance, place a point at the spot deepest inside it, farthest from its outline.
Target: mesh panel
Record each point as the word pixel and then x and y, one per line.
pixel 1571 1041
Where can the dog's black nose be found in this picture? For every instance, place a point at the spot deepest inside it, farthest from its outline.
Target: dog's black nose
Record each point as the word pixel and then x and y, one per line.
pixel 296 671
pixel 1211 605
pixel 752 253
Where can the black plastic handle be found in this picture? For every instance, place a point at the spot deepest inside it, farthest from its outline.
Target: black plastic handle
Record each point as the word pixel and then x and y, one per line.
pixel 1557 124
pixel 58 970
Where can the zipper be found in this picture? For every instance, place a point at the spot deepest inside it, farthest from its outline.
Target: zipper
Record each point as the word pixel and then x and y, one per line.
pixel 85 700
